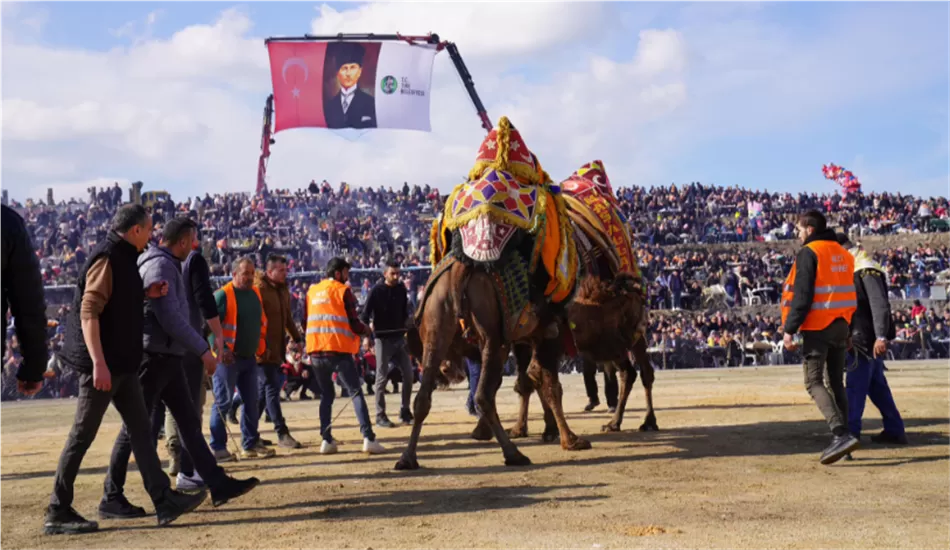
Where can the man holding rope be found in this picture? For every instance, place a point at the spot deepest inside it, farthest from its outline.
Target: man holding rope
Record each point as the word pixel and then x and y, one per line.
pixel 333 337
pixel 388 307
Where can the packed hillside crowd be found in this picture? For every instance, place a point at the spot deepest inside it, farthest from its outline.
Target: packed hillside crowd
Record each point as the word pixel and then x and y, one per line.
pixel 312 224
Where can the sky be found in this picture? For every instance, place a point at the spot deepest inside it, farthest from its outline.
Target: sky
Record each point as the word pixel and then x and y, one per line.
pixel 758 95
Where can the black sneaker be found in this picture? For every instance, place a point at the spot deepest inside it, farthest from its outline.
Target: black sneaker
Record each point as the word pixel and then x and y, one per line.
pixel 232 416
pixel 66 521
pixel 405 416
pixel 840 446
pixel 266 442
pixel 384 422
pixel 887 438
pixel 612 410
pixel 232 488
pixel 119 508
pixel 591 406
pixel 176 504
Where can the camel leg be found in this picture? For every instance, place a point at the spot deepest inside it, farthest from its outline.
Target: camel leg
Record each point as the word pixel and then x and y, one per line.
pixel 627 376
pixel 483 431
pixel 440 332
pixel 551 431
pixel 546 355
pixel 492 355
pixel 421 407
pixel 647 376
pixel 524 388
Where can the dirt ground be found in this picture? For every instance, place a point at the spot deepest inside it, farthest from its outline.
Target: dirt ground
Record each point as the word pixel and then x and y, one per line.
pixel 735 465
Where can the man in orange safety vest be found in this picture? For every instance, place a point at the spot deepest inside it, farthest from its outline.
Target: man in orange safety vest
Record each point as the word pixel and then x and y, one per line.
pixel 818 300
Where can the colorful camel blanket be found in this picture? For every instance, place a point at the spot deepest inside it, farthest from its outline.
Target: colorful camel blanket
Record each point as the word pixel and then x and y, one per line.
pixel 509 187
pixel 591 202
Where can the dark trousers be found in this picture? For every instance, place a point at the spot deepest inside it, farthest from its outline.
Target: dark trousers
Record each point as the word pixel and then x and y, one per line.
pixel 126 394
pixel 611 388
pixel 163 379
pixel 826 350
pixel 867 380
pixel 389 349
pixel 343 365
pixel 194 376
pixel 270 380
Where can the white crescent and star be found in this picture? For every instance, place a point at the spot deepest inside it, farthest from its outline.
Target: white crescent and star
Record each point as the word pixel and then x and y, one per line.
pixel 290 63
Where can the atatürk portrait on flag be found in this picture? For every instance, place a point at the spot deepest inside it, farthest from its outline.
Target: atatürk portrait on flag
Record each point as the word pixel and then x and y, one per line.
pixel 345 104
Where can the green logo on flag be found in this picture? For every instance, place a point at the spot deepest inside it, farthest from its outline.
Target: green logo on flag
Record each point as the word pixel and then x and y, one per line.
pixel 388 84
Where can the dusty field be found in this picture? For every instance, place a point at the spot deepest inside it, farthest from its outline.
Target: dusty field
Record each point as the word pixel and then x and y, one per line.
pixel 735 465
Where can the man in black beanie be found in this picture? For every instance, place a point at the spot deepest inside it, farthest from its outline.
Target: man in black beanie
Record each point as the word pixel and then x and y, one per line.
pixel 351 107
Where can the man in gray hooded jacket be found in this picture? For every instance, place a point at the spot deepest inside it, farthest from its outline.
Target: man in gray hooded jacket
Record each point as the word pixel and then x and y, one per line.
pixel 167 335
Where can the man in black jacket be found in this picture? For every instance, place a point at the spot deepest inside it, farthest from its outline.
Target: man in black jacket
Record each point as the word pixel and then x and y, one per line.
pixel 22 290
pixel 871 328
pixel 818 299
pixel 388 307
pixel 104 344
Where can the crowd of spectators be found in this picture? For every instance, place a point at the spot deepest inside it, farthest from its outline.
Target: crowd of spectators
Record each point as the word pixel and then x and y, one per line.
pixel 314 223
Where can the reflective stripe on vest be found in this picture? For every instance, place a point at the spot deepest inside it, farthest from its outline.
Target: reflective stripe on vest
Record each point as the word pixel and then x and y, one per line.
pixel 230 323
pixel 328 327
pixel 835 294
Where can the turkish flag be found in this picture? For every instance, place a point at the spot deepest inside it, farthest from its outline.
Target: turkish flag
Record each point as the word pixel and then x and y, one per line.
pixel 296 70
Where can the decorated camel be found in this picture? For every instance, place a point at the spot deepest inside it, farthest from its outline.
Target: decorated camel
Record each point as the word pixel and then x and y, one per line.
pixel 608 316
pixel 504 269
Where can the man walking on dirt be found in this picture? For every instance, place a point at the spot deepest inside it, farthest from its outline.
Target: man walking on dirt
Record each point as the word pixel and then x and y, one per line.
pixel 871 328
pixel 203 311
pixel 818 300
pixel 388 307
pixel 244 327
pixel 104 344
pixel 333 338
pixel 167 335
pixel 280 323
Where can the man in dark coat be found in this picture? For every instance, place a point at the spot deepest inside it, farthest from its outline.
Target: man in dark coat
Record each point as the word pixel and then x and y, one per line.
pixel 350 107
pixel 871 328
pixel 23 297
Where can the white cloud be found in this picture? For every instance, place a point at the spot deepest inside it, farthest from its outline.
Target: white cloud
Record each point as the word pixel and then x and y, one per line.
pixel 483 29
pixel 184 113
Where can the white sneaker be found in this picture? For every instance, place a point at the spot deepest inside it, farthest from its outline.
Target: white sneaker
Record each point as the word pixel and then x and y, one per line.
pixel 372 447
pixel 189 483
pixel 328 447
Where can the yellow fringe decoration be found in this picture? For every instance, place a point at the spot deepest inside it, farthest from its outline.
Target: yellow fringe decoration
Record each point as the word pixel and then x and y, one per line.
pixel 435 248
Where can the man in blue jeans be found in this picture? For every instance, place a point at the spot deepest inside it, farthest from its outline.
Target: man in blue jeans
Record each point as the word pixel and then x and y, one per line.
pixel 871 328
pixel 275 298
pixel 333 338
pixel 244 327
